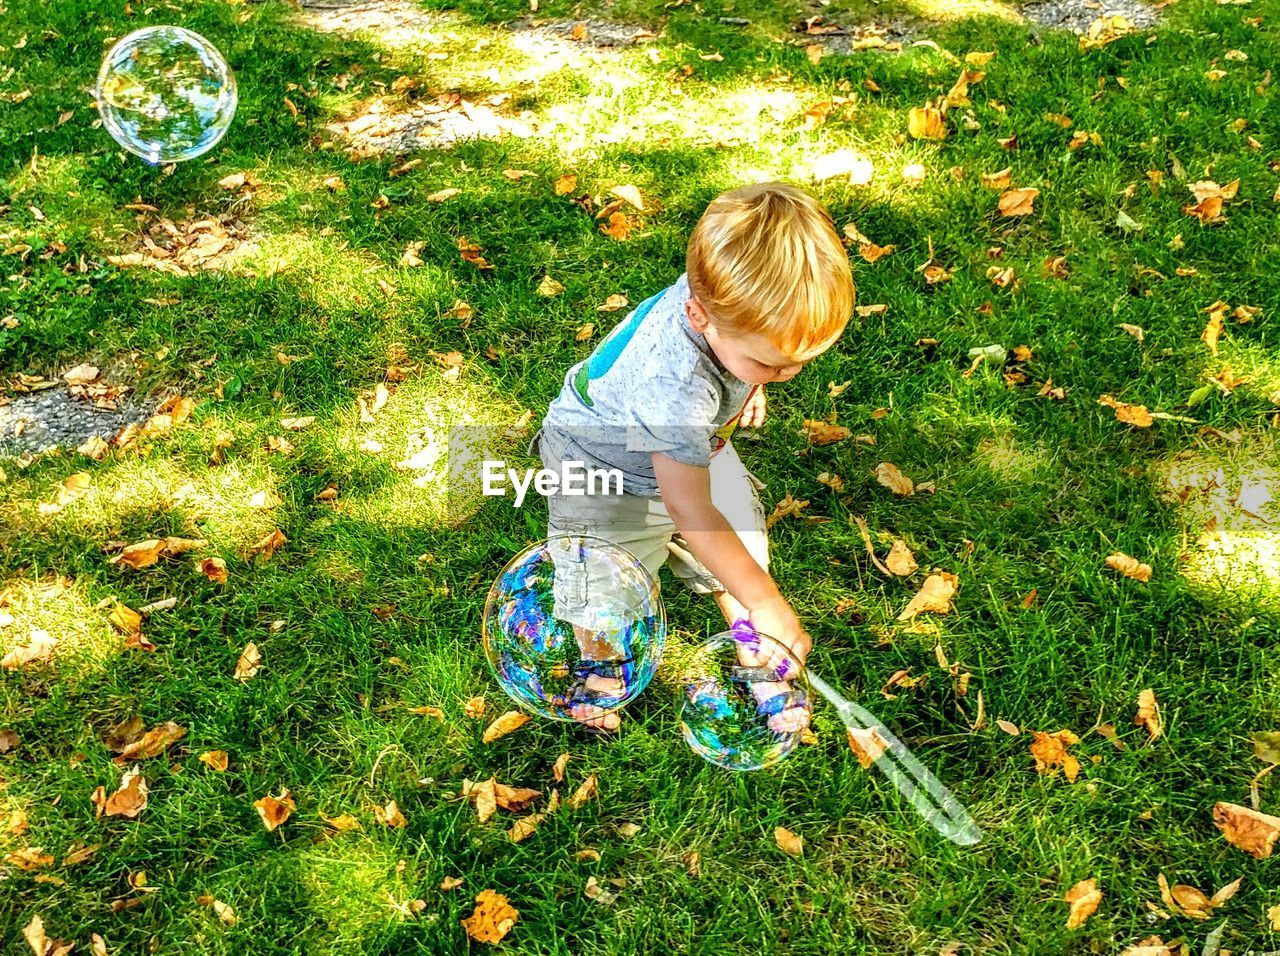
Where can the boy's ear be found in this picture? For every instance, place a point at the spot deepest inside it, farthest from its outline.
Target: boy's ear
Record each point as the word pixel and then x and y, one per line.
pixel 698 318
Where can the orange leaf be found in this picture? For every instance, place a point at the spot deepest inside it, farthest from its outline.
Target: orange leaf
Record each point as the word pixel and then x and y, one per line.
pixel 493 917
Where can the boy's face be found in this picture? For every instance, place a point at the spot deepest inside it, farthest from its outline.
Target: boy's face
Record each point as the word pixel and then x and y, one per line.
pixel 750 356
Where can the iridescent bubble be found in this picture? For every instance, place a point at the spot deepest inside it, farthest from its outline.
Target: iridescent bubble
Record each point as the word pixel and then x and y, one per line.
pixel 743 700
pixel 574 627
pixel 166 94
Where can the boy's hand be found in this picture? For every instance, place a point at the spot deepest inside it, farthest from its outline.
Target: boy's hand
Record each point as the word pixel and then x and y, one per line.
pixel 777 620
pixel 753 412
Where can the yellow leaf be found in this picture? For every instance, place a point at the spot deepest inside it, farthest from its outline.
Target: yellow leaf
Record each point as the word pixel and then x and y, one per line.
pixel 890 476
pixel 584 793
pixel 926 122
pixel 508 723
pixel 1249 830
pixel 494 915
pixel 788 842
pixel 933 597
pixel 1148 709
pixel 249 662
pixel 1129 567
pixel 629 194
pixel 1017 202
pixel 1084 898
pixel 216 760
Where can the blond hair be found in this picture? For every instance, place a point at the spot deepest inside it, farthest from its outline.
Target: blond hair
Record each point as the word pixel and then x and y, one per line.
pixel 766 258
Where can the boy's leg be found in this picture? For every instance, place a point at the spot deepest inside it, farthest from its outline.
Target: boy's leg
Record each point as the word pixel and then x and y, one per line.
pixel 632 523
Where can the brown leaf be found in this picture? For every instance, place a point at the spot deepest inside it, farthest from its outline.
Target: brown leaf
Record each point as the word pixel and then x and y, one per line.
pixel 1050 752
pixel 523 828
pixel 248 663
pixel 891 477
pixel 274 811
pixel 934 596
pixel 492 919
pixel 788 842
pixel 1084 898
pixel 1017 202
pixel 1249 830
pixel 1148 710
pixel 216 760
pixel 215 569
pixel 1129 567
pixel 154 742
pixel 390 815
pixel 129 800
pixel 585 792
pixel 818 432
pixel 269 544
pixel 508 723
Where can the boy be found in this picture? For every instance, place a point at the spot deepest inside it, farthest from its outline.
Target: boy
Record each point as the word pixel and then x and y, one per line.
pixel 767 289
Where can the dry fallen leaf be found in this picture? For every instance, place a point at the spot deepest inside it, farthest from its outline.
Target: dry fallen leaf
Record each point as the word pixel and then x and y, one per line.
pixel 508 723
pixel 934 596
pixel 585 792
pixel 215 760
pixel 1249 830
pixel 274 811
pixel 891 477
pixel 900 560
pixel 390 815
pixel 788 842
pixel 1017 202
pixel 1050 752
pixel 492 919
pixel 1084 898
pixel 1129 567
pixel 1148 709
pixel 249 662
pixel 1136 415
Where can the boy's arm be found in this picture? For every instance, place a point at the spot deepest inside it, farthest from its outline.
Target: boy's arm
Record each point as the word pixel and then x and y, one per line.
pixel 686 491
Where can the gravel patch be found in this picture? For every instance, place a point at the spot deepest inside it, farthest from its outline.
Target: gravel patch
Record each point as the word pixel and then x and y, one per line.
pixel 53 418
pixel 1076 15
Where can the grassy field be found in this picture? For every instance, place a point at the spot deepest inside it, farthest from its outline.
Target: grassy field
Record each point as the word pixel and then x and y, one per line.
pixel 379 593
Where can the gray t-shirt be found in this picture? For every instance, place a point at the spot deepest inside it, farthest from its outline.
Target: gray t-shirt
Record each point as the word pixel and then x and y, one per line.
pixel 652 385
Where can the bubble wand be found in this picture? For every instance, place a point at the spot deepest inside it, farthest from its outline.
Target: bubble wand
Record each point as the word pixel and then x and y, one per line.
pixel 910 777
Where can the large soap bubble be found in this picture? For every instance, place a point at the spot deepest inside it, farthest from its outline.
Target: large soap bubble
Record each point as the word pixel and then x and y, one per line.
pixel 574 627
pixel 742 700
pixel 166 94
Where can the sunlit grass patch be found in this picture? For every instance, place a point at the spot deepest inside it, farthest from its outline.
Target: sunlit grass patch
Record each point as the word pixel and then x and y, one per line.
pixel 64 610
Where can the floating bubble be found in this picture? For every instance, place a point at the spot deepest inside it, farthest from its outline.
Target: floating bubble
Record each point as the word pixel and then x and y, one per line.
pixel 166 94
pixel 742 700
pixel 574 627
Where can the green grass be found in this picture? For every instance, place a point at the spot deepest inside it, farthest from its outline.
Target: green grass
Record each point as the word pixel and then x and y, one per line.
pixel 1030 493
